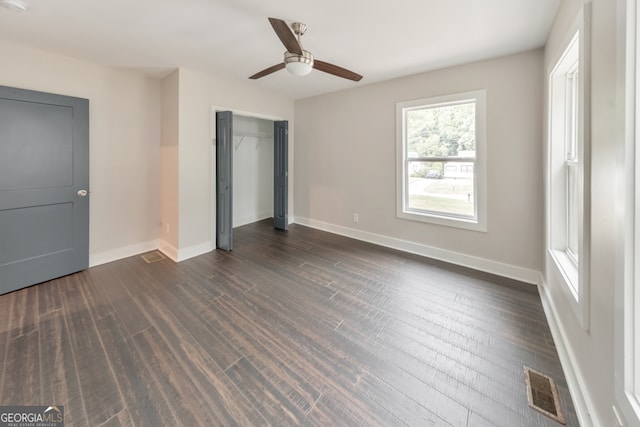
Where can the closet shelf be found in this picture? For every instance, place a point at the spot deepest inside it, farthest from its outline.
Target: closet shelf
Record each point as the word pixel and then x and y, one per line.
pixel 253 134
pixel 243 135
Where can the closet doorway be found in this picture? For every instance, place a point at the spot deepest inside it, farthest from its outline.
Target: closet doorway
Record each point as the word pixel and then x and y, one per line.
pixel 251 173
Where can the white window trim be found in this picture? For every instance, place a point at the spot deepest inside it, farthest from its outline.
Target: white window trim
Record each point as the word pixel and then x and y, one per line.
pixel 480 177
pixel 627 317
pixel 574 279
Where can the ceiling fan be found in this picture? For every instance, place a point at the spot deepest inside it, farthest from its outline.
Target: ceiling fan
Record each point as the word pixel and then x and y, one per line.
pixel 297 60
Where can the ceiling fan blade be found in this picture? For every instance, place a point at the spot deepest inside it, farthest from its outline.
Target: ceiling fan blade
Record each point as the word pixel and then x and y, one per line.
pixel 336 71
pixel 268 71
pixel 285 35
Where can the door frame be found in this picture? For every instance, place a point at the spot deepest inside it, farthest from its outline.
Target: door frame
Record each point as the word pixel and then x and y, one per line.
pixel 212 171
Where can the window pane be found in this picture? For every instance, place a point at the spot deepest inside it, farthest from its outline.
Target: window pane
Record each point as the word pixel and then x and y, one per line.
pixel 573 211
pixel 441 131
pixel 433 187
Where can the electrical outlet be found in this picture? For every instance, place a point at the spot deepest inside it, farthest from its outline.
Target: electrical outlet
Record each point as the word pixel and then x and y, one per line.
pixel 355 217
pixel 167 228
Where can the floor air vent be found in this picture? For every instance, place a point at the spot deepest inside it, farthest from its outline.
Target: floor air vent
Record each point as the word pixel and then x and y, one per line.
pixel 542 393
pixel 154 256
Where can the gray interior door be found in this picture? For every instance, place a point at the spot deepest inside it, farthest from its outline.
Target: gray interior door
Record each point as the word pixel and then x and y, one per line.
pixel 224 180
pixel 281 172
pixel 44 183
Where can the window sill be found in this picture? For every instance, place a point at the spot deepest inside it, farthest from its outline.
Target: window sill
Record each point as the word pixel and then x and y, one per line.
pixel 568 274
pixel 466 224
pixel 568 270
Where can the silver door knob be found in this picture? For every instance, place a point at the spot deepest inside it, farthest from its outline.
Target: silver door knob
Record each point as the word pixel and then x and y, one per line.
pixel 82 193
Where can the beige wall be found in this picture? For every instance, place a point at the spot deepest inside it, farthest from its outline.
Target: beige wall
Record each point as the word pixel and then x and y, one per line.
pixel 589 354
pixel 169 166
pixel 124 143
pixel 345 164
pixel 151 159
pixel 198 92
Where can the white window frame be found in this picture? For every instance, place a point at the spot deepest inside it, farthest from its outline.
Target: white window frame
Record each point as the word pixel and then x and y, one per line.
pixel 479 220
pixel 569 131
pixel 627 317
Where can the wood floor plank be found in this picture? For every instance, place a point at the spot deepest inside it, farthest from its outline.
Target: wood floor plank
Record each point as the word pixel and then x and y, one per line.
pixel 191 312
pixel 21 350
pixel 22 371
pixel 178 390
pixel 6 310
pixel 389 368
pixel 121 419
pixel 264 349
pixel 48 298
pixel 350 408
pixel 301 344
pixel 4 346
pixel 99 389
pixel 195 360
pixel 448 381
pixel 409 411
pixel 431 341
pixel 274 406
pixel 144 405
pixel 225 399
pixel 24 319
pixel 301 327
pixel 490 387
pixel 58 373
pixel 110 293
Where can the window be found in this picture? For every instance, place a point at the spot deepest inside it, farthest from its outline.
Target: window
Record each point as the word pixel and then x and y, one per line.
pixel 440 160
pixel 569 175
pixel 572 162
pixel 627 318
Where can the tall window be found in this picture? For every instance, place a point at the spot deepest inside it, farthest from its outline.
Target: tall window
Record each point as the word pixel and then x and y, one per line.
pixel 627 320
pixel 568 175
pixel 572 162
pixel 440 154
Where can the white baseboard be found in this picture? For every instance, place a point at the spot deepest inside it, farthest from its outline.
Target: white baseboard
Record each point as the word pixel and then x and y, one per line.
pixel 250 219
pixel 161 245
pixel 579 392
pixel 193 251
pixel 476 263
pixel 168 249
pixel 123 252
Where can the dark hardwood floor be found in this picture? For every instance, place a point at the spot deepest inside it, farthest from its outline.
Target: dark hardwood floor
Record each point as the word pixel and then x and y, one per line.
pixel 290 328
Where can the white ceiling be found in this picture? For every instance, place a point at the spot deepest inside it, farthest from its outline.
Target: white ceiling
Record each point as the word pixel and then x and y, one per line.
pixel 233 39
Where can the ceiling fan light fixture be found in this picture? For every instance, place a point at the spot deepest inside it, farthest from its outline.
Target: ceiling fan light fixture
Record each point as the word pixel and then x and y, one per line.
pixel 298 65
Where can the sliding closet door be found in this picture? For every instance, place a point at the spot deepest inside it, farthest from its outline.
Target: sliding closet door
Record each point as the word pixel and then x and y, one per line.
pixel 280 178
pixel 224 180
